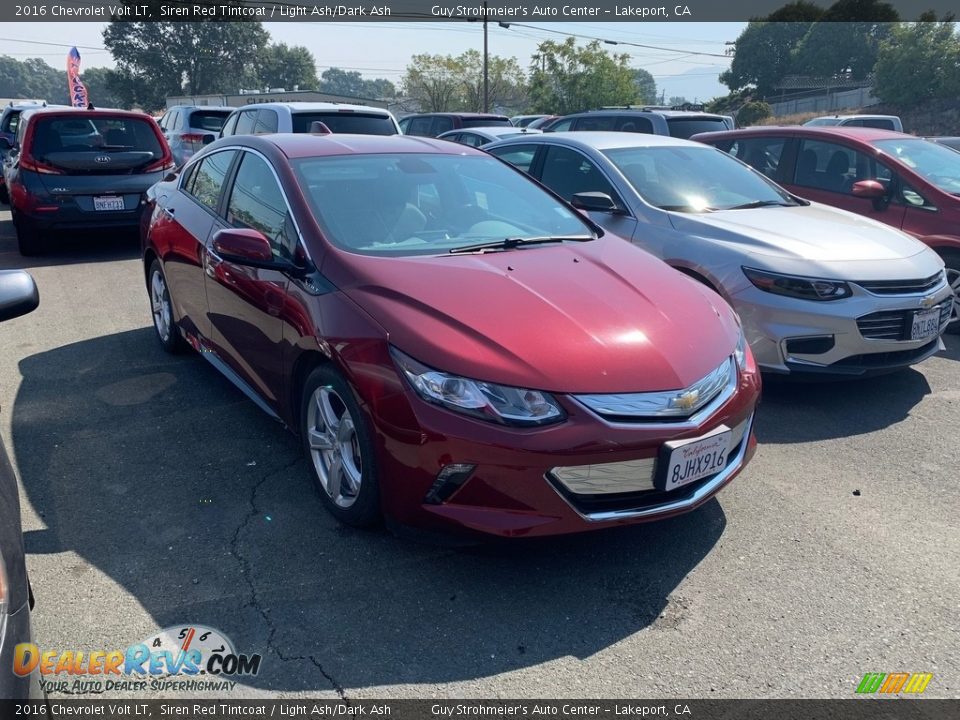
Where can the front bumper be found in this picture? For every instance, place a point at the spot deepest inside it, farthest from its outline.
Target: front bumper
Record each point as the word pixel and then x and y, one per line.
pixel 789 335
pixel 513 490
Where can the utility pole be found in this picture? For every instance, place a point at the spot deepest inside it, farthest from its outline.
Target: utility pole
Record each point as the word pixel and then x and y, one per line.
pixel 486 63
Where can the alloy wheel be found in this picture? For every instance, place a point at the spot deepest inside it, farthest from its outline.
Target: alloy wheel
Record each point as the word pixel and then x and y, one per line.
pixel 334 446
pixel 953 277
pixel 160 305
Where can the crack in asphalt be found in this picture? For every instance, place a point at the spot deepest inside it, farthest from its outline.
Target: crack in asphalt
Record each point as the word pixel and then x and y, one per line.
pixel 245 572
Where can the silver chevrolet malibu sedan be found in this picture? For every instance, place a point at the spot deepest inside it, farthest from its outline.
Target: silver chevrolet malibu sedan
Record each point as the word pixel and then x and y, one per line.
pixel 819 290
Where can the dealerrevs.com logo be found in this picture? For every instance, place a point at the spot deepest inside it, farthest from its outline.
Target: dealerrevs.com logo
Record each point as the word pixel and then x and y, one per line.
pixel 191 657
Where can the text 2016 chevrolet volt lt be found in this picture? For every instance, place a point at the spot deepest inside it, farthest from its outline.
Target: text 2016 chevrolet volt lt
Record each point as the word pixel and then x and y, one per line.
pixel 456 347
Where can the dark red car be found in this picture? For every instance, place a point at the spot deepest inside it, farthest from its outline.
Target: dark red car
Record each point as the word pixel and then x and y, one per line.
pixel 901 180
pixel 455 346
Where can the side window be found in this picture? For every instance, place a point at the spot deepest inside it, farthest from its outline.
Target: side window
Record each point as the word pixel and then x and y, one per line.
pixel 246 122
pixel 267 122
pixel 206 182
pixel 404 124
pixel 832 167
pixel 178 120
pixel 629 123
pixel 562 125
pixel 441 124
pixel 230 126
pixel 567 173
pixel 472 139
pixel 761 153
pixel 162 122
pixel 603 122
pixel 520 156
pixel 419 126
pixel 880 123
pixel 257 202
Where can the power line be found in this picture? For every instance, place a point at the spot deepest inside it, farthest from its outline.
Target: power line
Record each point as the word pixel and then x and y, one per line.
pixel 614 42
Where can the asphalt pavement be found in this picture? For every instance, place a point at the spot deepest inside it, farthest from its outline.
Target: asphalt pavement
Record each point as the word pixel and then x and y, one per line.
pixel 155 495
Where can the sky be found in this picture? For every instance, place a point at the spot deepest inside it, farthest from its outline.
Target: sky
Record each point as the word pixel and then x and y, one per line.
pixel 384 49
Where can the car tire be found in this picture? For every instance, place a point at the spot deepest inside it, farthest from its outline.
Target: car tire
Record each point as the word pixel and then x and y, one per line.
pixel 161 309
pixel 339 447
pixel 29 242
pixel 952 261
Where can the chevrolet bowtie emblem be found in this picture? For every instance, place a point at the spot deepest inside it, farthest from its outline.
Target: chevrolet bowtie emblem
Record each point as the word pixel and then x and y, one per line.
pixel 687 400
pixel 928 302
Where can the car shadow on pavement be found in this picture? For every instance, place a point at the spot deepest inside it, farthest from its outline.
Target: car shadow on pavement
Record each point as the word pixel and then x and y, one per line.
pixel 798 412
pixel 69 247
pixel 159 474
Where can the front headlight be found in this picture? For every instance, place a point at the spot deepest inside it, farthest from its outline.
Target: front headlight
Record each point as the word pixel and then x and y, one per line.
pixel 484 400
pixel 740 352
pixel 4 599
pixel 804 288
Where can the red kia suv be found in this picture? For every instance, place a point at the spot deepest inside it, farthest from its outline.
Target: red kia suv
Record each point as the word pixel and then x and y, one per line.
pixel 456 347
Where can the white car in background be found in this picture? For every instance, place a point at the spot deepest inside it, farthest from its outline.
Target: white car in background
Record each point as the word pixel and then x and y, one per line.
pixel 299 117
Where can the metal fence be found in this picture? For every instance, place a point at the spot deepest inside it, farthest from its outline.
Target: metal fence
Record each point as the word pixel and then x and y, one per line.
pixel 823 102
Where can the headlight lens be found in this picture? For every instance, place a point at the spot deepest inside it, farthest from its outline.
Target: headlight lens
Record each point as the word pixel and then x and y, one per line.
pixel 804 288
pixel 4 598
pixel 740 352
pixel 484 400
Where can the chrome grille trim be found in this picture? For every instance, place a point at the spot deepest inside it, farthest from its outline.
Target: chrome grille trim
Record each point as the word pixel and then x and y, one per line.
pixel 629 476
pixel 653 407
pixel 682 503
pixel 902 287
pixel 895 324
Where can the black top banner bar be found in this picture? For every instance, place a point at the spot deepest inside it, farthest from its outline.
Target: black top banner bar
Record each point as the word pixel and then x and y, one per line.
pixel 206 709
pixel 504 11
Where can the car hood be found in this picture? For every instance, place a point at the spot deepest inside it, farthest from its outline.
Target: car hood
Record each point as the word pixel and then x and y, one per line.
pixel 594 317
pixel 814 232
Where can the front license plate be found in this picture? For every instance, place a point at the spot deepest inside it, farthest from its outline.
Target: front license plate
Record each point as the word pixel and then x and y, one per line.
pixel 110 202
pixel 926 324
pixel 686 461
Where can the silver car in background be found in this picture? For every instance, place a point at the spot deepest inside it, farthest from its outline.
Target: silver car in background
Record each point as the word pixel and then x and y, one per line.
pixel 819 290
pixel 480 136
pixel 189 128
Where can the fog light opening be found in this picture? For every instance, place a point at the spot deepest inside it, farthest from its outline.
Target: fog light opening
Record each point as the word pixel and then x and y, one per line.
pixel 450 479
pixel 817 345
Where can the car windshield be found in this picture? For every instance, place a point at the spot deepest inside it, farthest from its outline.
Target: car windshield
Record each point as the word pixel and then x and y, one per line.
pixel 694 179
pixel 937 164
pixel 688 127
pixel 424 204
pixel 344 121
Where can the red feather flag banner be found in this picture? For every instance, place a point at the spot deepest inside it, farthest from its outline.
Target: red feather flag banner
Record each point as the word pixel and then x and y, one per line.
pixel 75 86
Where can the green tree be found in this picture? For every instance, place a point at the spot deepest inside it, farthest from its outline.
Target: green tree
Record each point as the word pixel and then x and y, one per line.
pixel 763 54
pixel 100 84
pixel 918 62
pixel 646 86
pixel 159 59
pixel 753 112
pixel 439 83
pixel 281 65
pixel 506 83
pixel 337 81
pixel 565 78
pixel 845 40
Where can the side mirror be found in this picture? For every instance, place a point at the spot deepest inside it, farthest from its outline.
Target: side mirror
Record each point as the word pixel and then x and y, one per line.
pixel 870 189
pixel 596 202
pixel 245 246
pixel 18 294
pixel 209 138
pixel 5 143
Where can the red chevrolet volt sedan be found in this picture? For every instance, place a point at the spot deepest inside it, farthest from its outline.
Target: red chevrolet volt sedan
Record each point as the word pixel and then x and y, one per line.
pixel 456 347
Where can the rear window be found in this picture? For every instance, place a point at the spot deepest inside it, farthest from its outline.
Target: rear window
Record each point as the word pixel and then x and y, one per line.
pixel 687 128
pixel 486 122
pixel 357 123
pixel 99 133
pixel 210 120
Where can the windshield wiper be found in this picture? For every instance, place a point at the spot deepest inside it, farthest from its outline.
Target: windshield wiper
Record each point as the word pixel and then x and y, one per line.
pixel 761 204
pixel 510 243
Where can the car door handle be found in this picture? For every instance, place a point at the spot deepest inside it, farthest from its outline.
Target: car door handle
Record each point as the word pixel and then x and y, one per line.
pixel 172 212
